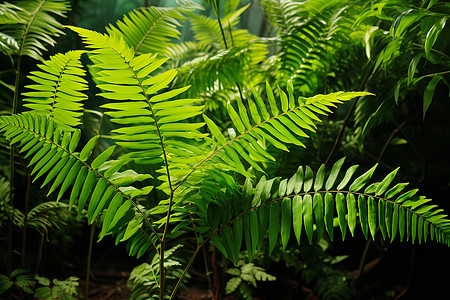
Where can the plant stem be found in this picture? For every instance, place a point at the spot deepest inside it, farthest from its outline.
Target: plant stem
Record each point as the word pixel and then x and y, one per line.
pixel 363 259
pixel 39 255
pixel 350 112
pixel 162 274
pixel 89 257
pixel 216 273
pixel 389 140
pixel 216 11
pixel 191 260
pixel 25 222
pixel 205 261
pixel 11 171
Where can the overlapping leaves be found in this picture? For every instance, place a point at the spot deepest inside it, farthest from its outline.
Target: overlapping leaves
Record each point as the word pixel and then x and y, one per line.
pixel 149 30
pixel 36 25
pixel 152 124
pixel 310 33
pixel 98 185
pixel 284 123
pixel 312 204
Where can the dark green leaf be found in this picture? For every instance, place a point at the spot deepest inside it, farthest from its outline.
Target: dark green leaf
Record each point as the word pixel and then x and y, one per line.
pixel 297 211
pixel 286 220
pixel 274 225
pixel 341 211
pixel 308 216
pixel 318 183
pixel 334 174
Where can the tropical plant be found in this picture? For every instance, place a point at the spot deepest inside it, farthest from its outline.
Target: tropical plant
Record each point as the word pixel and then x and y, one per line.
pixel 244 276
pixel 210 182
pixel 24 281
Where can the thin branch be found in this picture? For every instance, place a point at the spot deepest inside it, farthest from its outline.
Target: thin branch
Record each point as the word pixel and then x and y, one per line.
pixel 191 260
pixel 350 112
pixel 389 140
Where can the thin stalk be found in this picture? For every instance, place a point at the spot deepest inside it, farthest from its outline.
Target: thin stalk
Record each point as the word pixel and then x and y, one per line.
pixel 216 273
pixel 216 11
pixel 191 260
pixel 91 236
pixel 363 259
pixel 25 222
pixel 39 254
pixel 232 45
pixel 347 117
pixel 162 273
pixel 11 172
pixel 319 144
pixel 89 258
pixel 389 140
pixel 208 272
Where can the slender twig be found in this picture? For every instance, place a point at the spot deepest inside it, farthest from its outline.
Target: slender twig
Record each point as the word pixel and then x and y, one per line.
pixel 216 11
pixel 89 259
pixel 389 140
pixel 341 130
pixel 191 260
pixel 12 151
pixel 350 112
pixel 207 271
pixel 433 74
pixel 319 143
pixel 25 221
pixel 215 273
pixel 363 259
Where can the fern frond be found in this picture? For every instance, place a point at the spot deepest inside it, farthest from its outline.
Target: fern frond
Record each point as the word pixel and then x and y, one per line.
pixel 182 53
pixel 282 125
pixel 149 30
pixel 9 14
pixel 309 202
pixel 7 211
pixel 97 185
pixel 215 71
pixel 8 44
pixel 46 215
pixel 207 30
pixel 312 33
pixel 153 124
pixel 37 26
pixel 58 89
pixel 145 277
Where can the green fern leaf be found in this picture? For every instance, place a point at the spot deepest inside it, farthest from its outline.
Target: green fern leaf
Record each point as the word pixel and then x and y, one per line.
pixel 149 30
pixel 90 185
pixel 58 89
pixel 310 210
pixel 278 129
pixel 36 26
pixel 153 125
